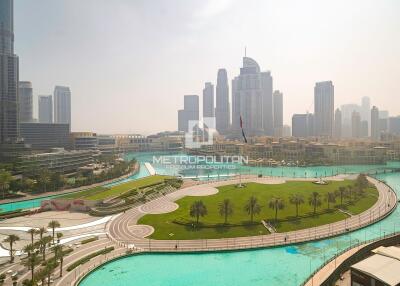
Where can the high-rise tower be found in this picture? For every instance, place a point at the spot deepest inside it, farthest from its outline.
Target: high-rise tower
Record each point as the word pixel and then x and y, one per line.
pixel 9 116
pixel 62 105
pixel 222 110
pixel 45 104
pixel 208 100
pixel 278 113
pixel 324 104
pixel 25 98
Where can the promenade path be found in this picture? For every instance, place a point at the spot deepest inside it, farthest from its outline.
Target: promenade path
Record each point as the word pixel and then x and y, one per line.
pixel 124 228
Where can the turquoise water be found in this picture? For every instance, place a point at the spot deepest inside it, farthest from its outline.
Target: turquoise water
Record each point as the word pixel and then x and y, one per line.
pixel 289 265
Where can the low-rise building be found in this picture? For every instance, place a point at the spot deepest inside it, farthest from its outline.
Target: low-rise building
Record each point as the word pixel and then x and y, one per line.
pixel 84 140
pixel 44 136
pixel 59 160
pixel 380 269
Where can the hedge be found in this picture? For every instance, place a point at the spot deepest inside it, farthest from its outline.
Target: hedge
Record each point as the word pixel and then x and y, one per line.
pixel 85 259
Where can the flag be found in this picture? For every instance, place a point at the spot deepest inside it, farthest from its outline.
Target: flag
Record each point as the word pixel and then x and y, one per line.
pixel 241 126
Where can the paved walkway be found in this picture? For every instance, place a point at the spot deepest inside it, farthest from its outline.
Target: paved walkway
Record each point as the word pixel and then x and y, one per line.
pixel 122 228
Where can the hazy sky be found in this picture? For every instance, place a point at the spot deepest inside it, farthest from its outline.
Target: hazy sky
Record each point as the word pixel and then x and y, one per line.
pixel 129 63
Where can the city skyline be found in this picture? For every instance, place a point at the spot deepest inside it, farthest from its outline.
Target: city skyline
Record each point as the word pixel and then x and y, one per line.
pixel 98 74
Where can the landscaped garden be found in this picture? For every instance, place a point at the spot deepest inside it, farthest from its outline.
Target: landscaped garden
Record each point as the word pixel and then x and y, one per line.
pixel 236 212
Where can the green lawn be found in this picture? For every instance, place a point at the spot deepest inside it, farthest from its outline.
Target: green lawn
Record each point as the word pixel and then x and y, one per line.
pixel 101 193
pixel 211 226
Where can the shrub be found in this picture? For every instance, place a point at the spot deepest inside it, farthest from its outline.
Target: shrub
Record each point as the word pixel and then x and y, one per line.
pixel 85 241
pixel 87 258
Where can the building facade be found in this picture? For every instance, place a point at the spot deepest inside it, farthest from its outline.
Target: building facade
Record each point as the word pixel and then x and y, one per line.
pixel 62 105
pixel 252 100
pixel 190 112
pixel 222 111
pixel 278 113
pixel 9 73
pixel 375 134
pixel 356 125
pixel 338 124
pixel 44 136
pixel 25 98
pixel 208 100
pixel 45 107
pixel 324 106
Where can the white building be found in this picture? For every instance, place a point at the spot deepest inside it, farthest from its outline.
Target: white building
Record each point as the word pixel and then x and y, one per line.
pixel 252 99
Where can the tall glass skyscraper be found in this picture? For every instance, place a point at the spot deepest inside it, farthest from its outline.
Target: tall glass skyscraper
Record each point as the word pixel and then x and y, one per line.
pixel 9 116
pixel 62 105
pixel 222 110
pixel 324 107
pixel 25 97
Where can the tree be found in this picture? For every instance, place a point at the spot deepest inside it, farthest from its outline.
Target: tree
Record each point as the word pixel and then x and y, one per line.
pixel 341 193
pixel 59 235
pixel 29 248
pixel 59 254
pixel 32 232
pixel 197 210
pixel 252 207
pixel 330 197
pixel 296 199
pixel 5 179
pixel 314 201
pixel 44 179
pixel 49 269
pixel 362 181
pixel 350 192
pixel 225 209
pixel 276 204
pixel 31 262
pixel 53 225
pixel 43 244
pixel 11 239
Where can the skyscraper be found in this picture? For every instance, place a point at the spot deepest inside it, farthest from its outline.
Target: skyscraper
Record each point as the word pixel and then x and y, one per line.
pixel 338 124
pixel 324 104
pixel 190 112
pixel 356 125
pixel 208 100
pixel 366 110
pixel 278 113
pixel 45 104
pixel 375 135
pixel 9 117
pixel 252 99
pixel 62 105
pixel 25 98
pixel 222 111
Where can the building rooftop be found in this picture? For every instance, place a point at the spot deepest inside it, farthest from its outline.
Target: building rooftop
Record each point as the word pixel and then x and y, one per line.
pixel 383 266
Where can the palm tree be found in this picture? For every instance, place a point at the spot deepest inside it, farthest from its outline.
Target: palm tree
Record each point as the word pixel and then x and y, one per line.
pixel 197 210
pixel 314 201
pixel 43 243
pixel 296 199
pixel 42 230
pixel 29 248
pixel 5 179
pixel 225 209
pixel 32 232
pixel 341 193
pixel 276 204
pixel 53 225
pixel 31 262
pixel 49 269
pixel 44 179
pixel 252 207
pixel 59 254
pixel 59 235
pixel 350 192
pixel 11 239
pixel 330 197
